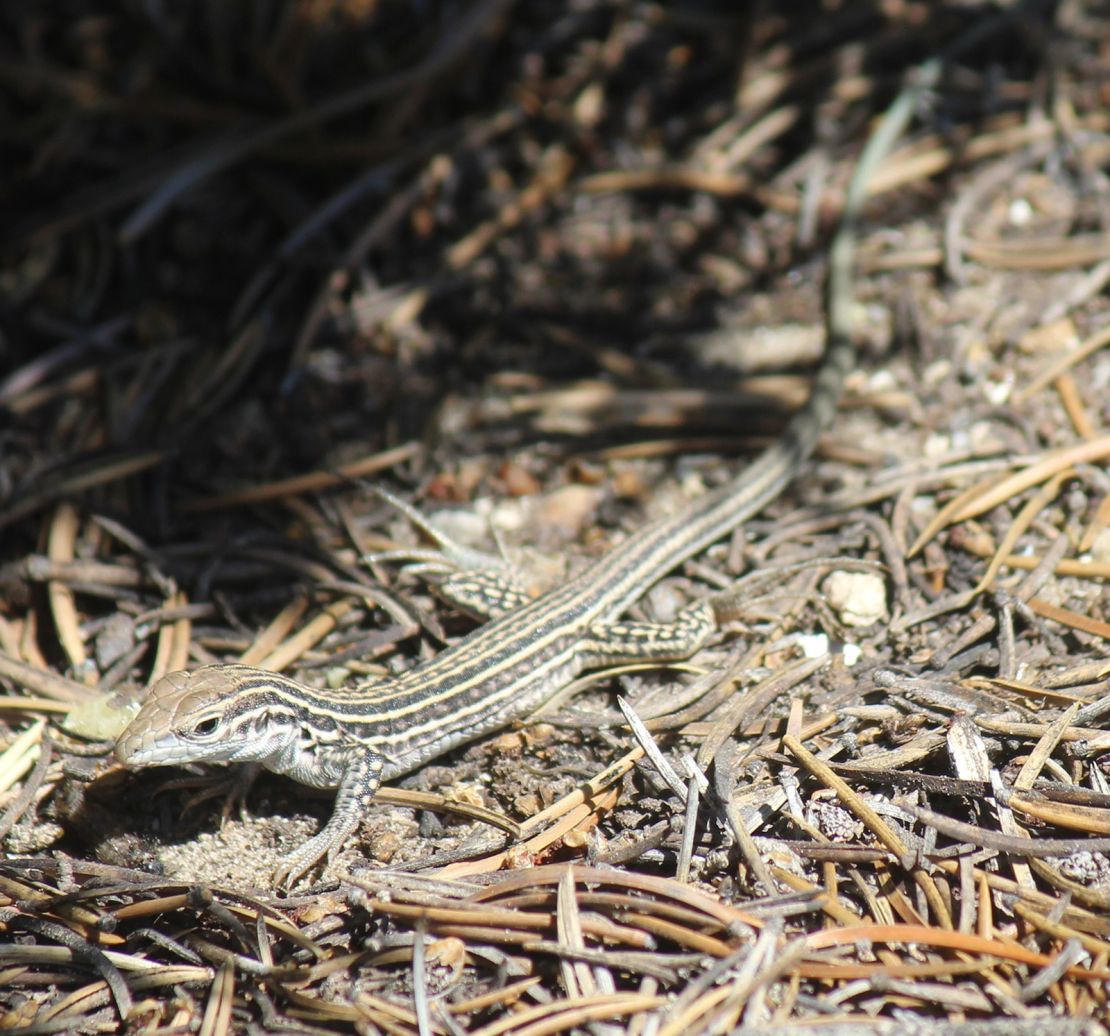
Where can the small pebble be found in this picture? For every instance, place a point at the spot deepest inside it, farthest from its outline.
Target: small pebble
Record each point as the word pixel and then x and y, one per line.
pixel 858 598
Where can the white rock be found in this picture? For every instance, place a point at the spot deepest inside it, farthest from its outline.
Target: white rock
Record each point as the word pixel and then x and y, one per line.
pixel 858 598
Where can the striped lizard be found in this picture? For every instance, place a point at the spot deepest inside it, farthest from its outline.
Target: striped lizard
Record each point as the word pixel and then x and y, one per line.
pixel 354 738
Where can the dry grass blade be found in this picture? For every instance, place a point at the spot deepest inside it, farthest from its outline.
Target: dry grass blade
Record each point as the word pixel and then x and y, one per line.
pixel 878 826
pixel 575 811
pixel 764 964
pixel 1081 250
pixel 561 1017
pixel 306 637
pixel 20 756
pixel 61 541
pixel 1052 465
pixel 43 682
pixel 36 748
pixel 577 978
pixel 651 750
pixel 1087 348
pixel 1083 569
pixel 995 491
pixel 217 1012
pixel 1080 818
pixel 310 483
pixel 712 908
pixel 1033 766
pixel 100 474
pixel 279 628
pixel 426 800
pixel 944 938
pixel 76 949
pixel 1040 500
pixel 1069 618
pixel 420 982
pixel 1019 845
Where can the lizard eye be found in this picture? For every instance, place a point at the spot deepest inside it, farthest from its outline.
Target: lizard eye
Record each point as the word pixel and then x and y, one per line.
pixel 206 727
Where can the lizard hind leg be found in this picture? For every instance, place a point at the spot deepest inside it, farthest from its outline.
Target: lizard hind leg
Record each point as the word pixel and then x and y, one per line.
pixel 483 595
pixel 480 584
pixel 614 643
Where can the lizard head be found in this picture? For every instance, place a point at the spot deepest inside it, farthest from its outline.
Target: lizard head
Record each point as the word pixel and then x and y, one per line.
pixel 218 713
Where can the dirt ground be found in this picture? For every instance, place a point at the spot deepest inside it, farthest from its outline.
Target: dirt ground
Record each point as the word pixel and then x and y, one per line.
pixel 547 271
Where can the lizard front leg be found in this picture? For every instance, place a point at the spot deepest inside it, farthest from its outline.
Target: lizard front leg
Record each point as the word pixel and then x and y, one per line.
pixel 360 779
